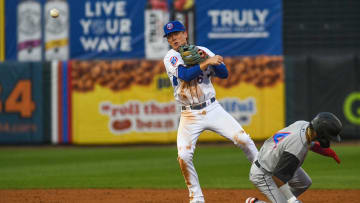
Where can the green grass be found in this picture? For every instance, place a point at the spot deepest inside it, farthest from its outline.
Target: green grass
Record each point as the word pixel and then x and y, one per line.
pixel 327 174
pixel 154 167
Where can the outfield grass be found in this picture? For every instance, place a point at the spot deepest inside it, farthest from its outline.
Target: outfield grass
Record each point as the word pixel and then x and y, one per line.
pixel 223 166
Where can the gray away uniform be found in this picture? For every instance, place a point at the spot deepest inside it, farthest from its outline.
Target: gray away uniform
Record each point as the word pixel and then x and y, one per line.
pixel 281 156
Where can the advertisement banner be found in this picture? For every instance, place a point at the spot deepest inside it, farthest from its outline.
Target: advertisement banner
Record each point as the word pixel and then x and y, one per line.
pixel 2 30
pixel 84 29
pixel 156 16
pixel 107 29
pixel 125 29
pixel 56 31
pixel 29 31
pixel 253 93
pixel 131 101
pixel 240 28
pixel 124 101
pixel 24 30
pixel 21 103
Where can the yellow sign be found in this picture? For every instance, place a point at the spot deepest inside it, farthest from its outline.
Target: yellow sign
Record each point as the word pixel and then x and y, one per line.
pixel 132 101
pixel 56 43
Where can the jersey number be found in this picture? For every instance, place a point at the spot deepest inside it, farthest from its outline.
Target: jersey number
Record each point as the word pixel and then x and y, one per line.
pixel 279 136
pixel 20 100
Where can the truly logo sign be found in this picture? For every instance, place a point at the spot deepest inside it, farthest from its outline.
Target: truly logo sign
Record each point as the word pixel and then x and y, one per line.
pixel 245 23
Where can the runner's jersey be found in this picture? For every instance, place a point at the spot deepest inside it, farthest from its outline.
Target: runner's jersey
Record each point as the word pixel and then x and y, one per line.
pixel 291 139
pixel 196 91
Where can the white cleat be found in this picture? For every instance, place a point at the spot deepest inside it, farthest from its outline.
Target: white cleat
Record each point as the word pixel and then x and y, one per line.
pixel 251 200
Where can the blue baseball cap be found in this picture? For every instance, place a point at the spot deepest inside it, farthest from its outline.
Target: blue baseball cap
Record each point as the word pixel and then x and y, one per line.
pixel 173 26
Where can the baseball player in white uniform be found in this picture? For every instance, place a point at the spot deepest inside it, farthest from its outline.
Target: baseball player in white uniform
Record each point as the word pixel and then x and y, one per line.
pixel 200 110
pixel 277 171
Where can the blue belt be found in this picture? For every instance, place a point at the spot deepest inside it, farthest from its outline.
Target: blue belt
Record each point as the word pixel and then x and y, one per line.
pixel 198 106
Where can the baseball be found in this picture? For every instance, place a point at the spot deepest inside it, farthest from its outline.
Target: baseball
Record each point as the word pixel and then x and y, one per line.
pixel 54 13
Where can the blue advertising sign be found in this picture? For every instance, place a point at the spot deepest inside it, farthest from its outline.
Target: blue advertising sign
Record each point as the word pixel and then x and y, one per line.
pixel 124 29
pixel 236 28
pixel 107 29
pixel 21 103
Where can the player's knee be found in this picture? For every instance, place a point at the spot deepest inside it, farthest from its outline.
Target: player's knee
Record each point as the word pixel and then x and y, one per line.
pixel 307 183
pixel 185 155
pixel 299 189
pixel 242 139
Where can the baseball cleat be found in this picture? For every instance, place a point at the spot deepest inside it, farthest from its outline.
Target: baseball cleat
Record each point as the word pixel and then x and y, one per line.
pixel 251 200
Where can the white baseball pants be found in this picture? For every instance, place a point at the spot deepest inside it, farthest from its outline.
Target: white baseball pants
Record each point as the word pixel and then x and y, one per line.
pixel 192 122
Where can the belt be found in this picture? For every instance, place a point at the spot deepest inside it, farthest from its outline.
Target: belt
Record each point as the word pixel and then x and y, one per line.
pixel 260 167
pixel 198 106
pixel 258 164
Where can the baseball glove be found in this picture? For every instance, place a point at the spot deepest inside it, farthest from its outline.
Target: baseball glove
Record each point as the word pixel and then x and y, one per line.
pixel 192 55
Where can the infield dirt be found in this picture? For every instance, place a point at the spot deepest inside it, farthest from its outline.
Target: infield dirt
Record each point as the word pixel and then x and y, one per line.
pixel 160 196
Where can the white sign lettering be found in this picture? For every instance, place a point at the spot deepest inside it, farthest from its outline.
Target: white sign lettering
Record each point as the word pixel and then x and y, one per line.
pixel 105 27
pixel 106 44
pixel 144 117
pixel 246 23
pixel 238 18
pixel 101 8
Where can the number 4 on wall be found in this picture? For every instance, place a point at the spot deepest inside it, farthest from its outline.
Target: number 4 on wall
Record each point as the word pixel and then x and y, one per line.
pixel 19 100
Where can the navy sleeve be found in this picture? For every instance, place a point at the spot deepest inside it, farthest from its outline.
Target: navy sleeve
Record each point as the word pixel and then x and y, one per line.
pixel 189 73
pixel 221 71
pixel 286 166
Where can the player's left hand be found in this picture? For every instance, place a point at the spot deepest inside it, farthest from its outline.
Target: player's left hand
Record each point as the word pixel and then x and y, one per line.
pixel 325 151
pixel 215 60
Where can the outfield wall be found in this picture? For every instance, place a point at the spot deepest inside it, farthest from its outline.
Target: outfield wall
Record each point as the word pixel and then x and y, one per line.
pixel 23 103
pixel 109 84
pixel 131 101
pixel 316 83
pixel 2 30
